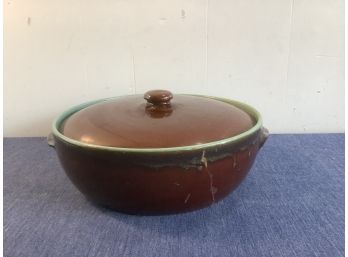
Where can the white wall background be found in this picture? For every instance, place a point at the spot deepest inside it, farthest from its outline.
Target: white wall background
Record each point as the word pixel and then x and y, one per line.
pixel 285 57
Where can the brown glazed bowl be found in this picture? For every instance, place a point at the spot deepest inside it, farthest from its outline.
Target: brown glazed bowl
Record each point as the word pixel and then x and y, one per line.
pixel 165 154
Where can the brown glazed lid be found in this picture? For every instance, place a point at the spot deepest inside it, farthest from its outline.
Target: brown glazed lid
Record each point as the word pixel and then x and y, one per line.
pixel 160 121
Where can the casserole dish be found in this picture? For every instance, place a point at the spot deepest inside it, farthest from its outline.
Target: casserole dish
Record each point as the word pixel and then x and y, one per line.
pixel 158 153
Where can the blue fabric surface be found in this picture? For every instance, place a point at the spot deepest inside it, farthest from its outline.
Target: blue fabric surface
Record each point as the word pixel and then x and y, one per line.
pixel 291 204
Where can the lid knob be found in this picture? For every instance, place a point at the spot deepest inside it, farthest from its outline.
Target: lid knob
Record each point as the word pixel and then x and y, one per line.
pixel 158 97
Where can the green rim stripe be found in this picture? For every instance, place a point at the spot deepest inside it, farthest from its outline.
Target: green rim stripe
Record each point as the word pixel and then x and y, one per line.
pixel 247 108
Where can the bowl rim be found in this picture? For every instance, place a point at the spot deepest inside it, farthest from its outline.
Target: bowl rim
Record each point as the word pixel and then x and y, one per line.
pixel 229 140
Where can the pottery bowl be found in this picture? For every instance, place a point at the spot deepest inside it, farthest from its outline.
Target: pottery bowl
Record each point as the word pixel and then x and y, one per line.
pixel 156 179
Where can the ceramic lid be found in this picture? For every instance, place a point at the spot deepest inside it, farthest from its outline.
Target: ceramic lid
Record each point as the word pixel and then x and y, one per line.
pixel 158 119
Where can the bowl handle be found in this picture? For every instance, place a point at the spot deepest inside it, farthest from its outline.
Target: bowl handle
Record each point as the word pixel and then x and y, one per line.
pixel 264 133
pixel 50 140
